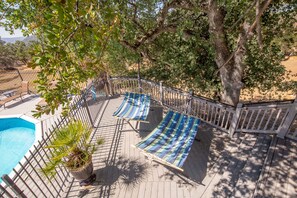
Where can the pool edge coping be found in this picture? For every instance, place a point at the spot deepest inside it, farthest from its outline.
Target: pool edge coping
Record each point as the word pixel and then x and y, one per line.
pixel 38 137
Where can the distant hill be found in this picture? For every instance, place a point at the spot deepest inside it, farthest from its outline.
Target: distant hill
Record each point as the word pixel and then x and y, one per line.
pixel 24 39
pixel 12 40
pixel 30 38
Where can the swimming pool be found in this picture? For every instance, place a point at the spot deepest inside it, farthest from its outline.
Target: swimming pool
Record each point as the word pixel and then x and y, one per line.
pixel 17 135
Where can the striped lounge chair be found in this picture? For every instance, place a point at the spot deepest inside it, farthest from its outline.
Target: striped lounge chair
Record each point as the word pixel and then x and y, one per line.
pixel 170 142
pixel 135 106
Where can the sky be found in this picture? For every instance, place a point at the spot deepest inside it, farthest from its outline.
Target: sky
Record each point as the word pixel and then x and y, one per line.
pixel 5 34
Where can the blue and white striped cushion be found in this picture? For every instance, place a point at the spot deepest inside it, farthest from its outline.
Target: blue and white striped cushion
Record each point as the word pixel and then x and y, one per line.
pixel 171 141
pixel 135 106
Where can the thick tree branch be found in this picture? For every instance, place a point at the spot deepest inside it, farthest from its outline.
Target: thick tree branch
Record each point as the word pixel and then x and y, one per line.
pixel 163 13
pixel 258 17
pixel 147 55
pixel 245 13
pixel 230 65
pixel 216 30
pixel 242 41
pixel 134 20
pixel 77 6
pixel 149 37
pixel 128 45
pixel 160 28
pixel 258 28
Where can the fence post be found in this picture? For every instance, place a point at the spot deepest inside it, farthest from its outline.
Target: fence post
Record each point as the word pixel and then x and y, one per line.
pixel 88 111
pixel 111 91
pixel 3 191
pixel 281 133
pixel 161 93
pixel 235 119
pixel 42 129
pixel 20 75
pixel 139 85
pixel 13 186
pixel 138 77
pixel 189 102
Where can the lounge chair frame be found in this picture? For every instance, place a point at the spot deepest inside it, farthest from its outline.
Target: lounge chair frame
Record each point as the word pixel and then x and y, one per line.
pixel 173 130
pixel 135 106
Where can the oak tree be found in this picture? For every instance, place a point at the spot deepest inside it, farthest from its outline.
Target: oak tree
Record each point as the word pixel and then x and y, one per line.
pixel 211 45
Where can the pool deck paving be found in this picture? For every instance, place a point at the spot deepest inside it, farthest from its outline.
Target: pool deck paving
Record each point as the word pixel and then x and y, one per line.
pixel 24 107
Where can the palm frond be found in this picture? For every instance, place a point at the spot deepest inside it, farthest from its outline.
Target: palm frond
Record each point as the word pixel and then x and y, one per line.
pixel 70 147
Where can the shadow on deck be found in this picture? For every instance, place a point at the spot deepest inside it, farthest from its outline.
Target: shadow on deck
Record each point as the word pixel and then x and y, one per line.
pixel 217 166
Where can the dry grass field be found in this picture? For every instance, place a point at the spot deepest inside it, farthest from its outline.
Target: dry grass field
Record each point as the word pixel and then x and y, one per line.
pixel 255 95
pixel 291 65
pixel 12 80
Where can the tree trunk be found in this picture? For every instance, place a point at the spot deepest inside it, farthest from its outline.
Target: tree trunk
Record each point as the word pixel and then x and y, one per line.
pixel 232 72
pixel 231 66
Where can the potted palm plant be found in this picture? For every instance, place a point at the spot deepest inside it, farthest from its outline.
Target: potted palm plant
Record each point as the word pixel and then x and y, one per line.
pixel 71 148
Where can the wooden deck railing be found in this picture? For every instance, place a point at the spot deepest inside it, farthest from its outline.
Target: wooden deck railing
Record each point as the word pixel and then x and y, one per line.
pixel 274 117
pixel 258 118
pixel 292 132
pixel 215 114
pixel 122 85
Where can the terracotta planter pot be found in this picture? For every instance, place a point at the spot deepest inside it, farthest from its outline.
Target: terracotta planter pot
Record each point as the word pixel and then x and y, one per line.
pixel 84 172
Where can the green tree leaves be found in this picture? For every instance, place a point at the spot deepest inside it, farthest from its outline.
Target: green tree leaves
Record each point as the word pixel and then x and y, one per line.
pixel 14 54
pixel 72 35
pixel 176 41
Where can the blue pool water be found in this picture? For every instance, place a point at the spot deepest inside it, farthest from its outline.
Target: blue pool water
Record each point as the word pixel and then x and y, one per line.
pixel 16 138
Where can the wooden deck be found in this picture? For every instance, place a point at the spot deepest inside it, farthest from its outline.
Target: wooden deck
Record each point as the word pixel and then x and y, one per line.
pixel 217 166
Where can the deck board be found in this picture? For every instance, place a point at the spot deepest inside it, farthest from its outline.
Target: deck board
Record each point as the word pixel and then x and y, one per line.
pixel 292 177
pixel 215 164
pixel 216 167
pixel 250 173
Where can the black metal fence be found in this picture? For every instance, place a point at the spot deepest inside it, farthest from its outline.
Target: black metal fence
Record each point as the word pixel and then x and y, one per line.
pixel 27 180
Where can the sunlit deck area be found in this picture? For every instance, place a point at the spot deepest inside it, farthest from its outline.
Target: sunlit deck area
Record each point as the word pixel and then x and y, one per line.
pixel 249 165
pixel 148 99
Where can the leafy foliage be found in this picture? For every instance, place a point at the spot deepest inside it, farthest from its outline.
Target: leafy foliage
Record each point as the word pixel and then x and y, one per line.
pixel 279 25
pixel 183 55
pixel 174 40
pixel 179 55
pixel 12 54
pixel 264 64
pixel 72 38
pixel 70 148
